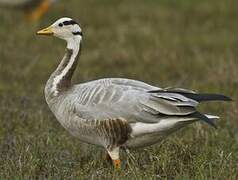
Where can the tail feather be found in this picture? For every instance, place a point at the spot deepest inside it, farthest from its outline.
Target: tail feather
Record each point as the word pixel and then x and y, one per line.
pixel 212 116
pixel 206 118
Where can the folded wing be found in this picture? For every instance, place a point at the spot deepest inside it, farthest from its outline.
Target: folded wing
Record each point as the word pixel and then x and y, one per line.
pixel 138 102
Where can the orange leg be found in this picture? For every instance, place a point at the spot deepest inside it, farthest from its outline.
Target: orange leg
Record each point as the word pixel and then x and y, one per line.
pixel 114 154
pixel 40 10
pixel 117 163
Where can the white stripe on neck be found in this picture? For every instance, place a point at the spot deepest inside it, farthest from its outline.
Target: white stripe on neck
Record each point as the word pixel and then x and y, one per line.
pixel 74 45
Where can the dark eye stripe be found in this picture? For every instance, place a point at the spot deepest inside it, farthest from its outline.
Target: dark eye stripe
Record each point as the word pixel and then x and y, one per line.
pixel 71 22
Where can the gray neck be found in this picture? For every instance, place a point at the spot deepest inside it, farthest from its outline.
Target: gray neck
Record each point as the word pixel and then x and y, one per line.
pixel 60 79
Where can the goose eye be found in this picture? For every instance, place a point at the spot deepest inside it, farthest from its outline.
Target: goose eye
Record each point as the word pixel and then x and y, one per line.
pixel 60 25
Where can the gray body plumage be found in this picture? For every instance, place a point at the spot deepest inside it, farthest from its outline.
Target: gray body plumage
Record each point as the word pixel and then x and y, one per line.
pixel 116 112
pixel 149 113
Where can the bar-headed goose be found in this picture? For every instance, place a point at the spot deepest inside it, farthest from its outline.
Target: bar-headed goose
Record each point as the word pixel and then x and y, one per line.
pixel 116 112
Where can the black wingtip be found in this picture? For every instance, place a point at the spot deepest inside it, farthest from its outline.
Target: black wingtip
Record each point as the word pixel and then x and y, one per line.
pixel 228 98
pixel 208 97
pixel 197 97
pixel 222 97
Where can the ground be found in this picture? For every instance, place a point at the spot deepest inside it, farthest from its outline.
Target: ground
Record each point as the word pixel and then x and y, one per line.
pixel 187 43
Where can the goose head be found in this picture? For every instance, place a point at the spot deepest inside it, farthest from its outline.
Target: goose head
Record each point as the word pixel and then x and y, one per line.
pixel 64 28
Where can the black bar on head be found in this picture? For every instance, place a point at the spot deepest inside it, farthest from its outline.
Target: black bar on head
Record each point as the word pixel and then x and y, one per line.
pixel 77 33
pixel 71 22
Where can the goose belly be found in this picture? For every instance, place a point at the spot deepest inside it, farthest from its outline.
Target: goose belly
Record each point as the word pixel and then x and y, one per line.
pixel 145 134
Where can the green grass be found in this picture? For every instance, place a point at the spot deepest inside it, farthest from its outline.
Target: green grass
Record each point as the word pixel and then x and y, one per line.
pixel 186 43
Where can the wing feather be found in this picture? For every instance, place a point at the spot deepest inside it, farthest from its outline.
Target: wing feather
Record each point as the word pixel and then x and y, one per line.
pixel 129 99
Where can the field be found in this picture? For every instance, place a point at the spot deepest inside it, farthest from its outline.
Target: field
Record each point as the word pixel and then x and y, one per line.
pixel 187 43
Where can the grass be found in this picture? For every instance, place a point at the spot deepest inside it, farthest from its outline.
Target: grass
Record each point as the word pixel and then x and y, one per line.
pixel 187 43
